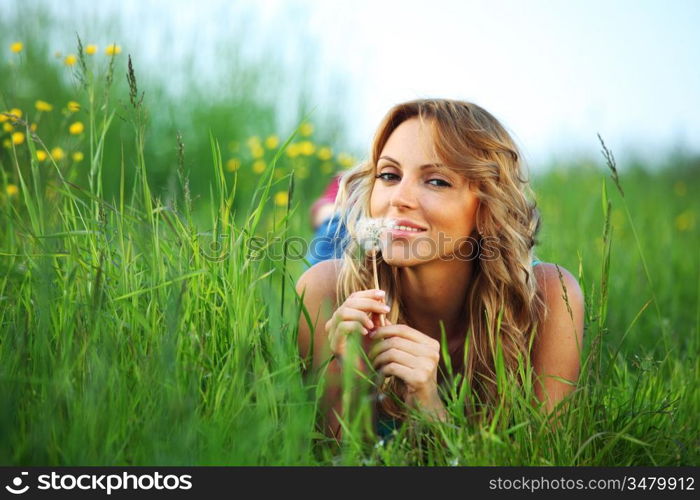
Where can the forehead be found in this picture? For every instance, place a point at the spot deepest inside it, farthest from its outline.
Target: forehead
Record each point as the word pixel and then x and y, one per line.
pixel 412 139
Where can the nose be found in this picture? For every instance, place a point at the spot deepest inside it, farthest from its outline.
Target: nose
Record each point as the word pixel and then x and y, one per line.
pixel 403 194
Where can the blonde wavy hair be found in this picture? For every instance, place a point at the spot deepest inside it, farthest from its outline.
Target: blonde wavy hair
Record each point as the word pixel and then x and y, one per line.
pixel 469 140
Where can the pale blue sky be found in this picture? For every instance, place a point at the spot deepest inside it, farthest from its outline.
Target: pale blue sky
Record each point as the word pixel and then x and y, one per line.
pixel 555 72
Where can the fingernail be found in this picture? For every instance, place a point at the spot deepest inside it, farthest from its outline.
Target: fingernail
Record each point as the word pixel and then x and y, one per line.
pixel 370 324
pixel 380 293
pixel 387 308
pixel 364 331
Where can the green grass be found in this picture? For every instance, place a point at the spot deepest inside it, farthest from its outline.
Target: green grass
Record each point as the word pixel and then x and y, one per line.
pixel 143 325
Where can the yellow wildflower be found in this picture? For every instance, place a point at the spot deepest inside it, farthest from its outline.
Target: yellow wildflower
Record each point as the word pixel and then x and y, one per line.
pixel 281 198
pixel 6 143
pixel 43 106
pixel 325 153
pixel 17 137
pixel 272 142
pixel 7 127
pixel 306 129
pixel 17 112
pixel 685 221
pixel 346 160
pixel 78 156
pixel 680 188
pixel 327 167
pixel 112 49
pixel 259 167
pixel 253 141
pixel 33 127
pixel 257 152
pixel 76 128
pixel 91 49
pixel 70 60
pixel 11 190
pixel 292 150
pixel 233 164
pixel 57 154
pixel 3 116
pixel 41 155
pixel 73 106
pixel 307 148
pixel 16 47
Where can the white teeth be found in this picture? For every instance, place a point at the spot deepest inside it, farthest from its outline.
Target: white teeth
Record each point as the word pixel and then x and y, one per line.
pixel 406 228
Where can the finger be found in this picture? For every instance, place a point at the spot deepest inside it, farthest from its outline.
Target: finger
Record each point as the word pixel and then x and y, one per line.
pixel 367 305
pixel 346 313
pixel 408 346
pixel 373 293
pixel 394 355
pixel 348 327
pixel 404 331
pixel 398 370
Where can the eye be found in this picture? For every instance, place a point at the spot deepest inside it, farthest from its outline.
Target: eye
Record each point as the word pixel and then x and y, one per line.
pixel 444 183
pixel 381 176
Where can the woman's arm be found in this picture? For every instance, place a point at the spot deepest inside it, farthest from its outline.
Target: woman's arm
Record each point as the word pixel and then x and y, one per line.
pixel 317 285
pixel 557 346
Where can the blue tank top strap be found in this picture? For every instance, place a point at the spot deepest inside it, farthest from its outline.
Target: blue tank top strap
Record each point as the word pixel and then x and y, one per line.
pixel 535 262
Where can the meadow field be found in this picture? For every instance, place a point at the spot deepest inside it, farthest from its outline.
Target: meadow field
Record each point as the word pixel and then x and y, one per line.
pixel 147 306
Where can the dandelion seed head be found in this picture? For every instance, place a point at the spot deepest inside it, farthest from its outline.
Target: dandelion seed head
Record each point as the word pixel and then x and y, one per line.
pixel 369 230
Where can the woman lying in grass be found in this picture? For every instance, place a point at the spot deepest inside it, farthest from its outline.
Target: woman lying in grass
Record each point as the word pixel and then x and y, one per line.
pixel 456 247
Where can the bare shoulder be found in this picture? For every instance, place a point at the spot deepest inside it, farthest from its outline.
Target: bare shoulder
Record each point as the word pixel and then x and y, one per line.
pixel 320 279
pixel 557 345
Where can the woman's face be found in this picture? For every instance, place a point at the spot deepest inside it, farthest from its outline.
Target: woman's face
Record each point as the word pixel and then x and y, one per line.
pixel 414 186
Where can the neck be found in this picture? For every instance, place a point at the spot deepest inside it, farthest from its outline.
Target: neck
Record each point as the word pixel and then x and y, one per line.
pixel 436 291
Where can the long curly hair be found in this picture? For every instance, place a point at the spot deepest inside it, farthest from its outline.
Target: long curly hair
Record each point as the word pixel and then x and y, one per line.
pixel 503 303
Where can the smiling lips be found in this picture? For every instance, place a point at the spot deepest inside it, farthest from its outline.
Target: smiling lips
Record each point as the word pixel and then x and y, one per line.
pixel 402 226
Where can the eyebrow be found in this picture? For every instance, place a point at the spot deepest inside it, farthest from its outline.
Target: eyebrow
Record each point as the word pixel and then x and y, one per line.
pixel 422 167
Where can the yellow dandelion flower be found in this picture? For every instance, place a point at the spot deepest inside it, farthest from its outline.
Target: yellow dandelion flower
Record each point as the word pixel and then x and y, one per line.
pixel 257 152
pixel 281 198
pixel 306 129
pixel 41 155
pixel 17 112
pixel 680 188
pixel 16 47
pixel 253 141
pixel 91 49
pixel 346 160
pixel 112 49
pixel 78 156
pixel 292 150
pixel 57 154
pixel 233 164
pixel 325 153
pixel 73 106
pixel 327 167
pixel 70 60
pixel 76 128
pixel 272 142
pixel 307 148
pixel 685 221
pixel 17 137
pixel 302 172
pixel 33 127
pixel 3 116
pixel 7 127
pixel 259 167
pixel 43 106
pixel 11 190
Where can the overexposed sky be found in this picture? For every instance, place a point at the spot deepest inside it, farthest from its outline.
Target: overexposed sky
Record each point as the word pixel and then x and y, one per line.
pixel 555 72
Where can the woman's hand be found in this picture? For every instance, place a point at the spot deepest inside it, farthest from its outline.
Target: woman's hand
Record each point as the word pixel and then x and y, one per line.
pixel 412 356
pixel 354 315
